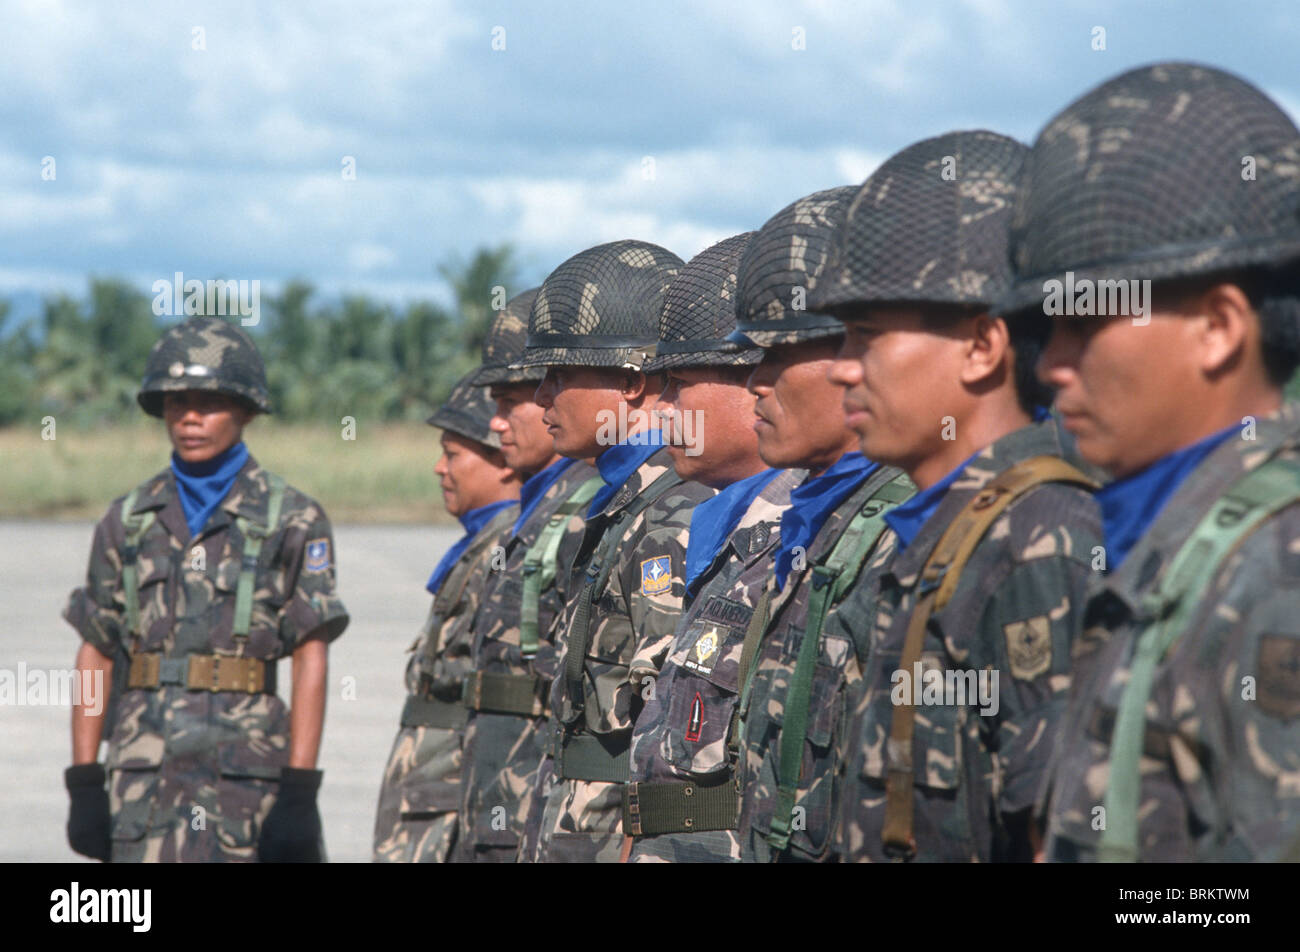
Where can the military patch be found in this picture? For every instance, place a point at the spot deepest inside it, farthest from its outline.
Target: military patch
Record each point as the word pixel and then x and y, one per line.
pixel 706 646
pixel 1029 647
pixel 726 611
pixel 657 575
pixel 1279 675
pixel 318 555
pixel 696 720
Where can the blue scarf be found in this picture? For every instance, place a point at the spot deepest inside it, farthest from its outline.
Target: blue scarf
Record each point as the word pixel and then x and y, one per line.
pixel 619 462
pixel 908 517
pixel 534 488
pixel 1131 504
pixel 813 502
pixel 202 486
pixel 714 520
pixel 471 522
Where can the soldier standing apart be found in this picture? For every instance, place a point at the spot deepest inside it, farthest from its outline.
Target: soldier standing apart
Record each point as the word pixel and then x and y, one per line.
pixel 418 803
pixel 593 326
pixel 793 660
pixel 513 659
pixel 682 802
pixel 200 580
pixel 1179 186
pixel 969 624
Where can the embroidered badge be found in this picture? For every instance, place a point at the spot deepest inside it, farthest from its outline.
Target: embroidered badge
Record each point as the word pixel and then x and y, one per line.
pixel 705 648
pixel 697 719
pixel 1029 647
pixel 318 555
pixel 656 575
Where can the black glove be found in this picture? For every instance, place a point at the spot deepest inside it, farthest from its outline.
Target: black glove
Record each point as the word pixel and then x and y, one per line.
pixel 89 829
pixel 291 831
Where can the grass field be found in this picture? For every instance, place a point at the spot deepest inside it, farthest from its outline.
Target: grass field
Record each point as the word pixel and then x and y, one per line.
pixel 384 475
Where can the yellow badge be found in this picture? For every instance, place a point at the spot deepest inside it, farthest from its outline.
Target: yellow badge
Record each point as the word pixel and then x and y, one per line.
pixel 706 646
pixel 1029 647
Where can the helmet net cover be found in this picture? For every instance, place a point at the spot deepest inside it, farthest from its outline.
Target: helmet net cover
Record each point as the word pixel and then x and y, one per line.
pixel 204 353
pixel 505 344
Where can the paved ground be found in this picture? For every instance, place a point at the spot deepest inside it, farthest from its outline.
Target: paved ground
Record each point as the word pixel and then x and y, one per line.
pixel 382 574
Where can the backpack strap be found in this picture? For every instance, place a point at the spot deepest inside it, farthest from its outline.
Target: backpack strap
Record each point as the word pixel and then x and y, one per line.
pixel 831 578
pixel 254 534
pixel 540 564
pixel 136 525
pixel 938 582
pixel 1251 499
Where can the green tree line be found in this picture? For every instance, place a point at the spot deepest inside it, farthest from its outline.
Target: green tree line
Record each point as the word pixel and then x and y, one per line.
pixel 81 359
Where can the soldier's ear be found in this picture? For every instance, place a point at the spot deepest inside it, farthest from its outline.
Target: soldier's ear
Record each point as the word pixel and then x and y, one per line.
pixel 635 385
pixel 1231 327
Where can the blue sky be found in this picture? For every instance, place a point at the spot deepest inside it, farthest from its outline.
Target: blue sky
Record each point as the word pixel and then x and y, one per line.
pixel 227 160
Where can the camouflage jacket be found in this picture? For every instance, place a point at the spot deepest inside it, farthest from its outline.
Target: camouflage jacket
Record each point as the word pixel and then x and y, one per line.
pixel 1013 617
pixel 502 751
pixel 672 741
pixel 631 628
pixel 172 751
pixel 764 713
pixel 421 789
pixel 1220 771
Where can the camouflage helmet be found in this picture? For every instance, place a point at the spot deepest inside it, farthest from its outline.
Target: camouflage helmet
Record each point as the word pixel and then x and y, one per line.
pixel 505 344
pixel 468 412
pixel 780 265
pixel 1168 171
pixel 204 353
pixel 928 227
pixel 700 311
pixel 601 307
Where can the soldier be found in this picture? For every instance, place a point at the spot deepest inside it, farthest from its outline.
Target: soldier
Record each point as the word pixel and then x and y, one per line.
pixel 681 803
pixel 420 797
pixel 969 621
pixel 1178 185
pixel 825 535
pixel 200 580
pixel 593 326
pixel 513 660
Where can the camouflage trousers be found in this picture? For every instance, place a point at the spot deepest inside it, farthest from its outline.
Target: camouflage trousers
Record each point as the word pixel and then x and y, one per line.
pixel 707 846
pixel 419 800
pixel 502 752
pixel 582 822
pixel 185 810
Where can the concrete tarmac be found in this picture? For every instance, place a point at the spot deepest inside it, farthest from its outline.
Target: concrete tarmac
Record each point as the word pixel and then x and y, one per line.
pixel 381 572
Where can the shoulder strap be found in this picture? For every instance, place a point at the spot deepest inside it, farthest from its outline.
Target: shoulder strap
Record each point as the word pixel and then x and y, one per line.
pixel 831 578
pixel 937 584
pixel 135 524
pixel 540 563
pixel 1249 501
pixel 598 569
pixel 254 534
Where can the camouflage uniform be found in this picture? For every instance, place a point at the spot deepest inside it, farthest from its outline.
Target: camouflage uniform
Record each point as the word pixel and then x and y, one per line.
pixel 193 772
pixel 420 797
pixel 614 290
pixel 502 750
pixel 1216 746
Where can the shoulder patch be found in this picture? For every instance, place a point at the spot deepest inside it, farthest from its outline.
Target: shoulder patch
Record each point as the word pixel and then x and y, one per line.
pixel 1029 647
pixel 318 555
pixel 656 575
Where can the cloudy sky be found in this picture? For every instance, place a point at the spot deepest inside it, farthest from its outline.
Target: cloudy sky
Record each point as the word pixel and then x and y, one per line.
pixel 215 138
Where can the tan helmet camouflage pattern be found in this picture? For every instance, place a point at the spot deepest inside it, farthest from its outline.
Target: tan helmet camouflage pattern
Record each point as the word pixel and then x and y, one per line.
pixel 779 268
pixel 204 353
pixel 1167 171
pixel 504 345
pixel 601 307
pixel 928 227
pixel 700 312
pixel 468 412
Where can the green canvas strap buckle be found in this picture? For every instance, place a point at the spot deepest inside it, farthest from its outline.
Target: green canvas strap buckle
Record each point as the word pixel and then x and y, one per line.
pixel 650 809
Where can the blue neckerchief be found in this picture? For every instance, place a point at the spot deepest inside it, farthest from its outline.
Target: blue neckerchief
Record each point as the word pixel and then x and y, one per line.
pixel 714 520
pixel 202 486
pixel 619 462
pixel 907 518
pixel 1041 413
pixel 813 502
pixel 534 488
pixel 472 522
pixel 1130 505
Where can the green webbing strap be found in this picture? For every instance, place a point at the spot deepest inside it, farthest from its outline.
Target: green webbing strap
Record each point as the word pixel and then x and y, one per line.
pixel 254 535
pixel 1248 502
pixel 651 809
pixel 431 712
pixel 584 757
pixel 744 676
pixel 830 580
pixel 598 569
pixel 540 564
pixel 135 526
